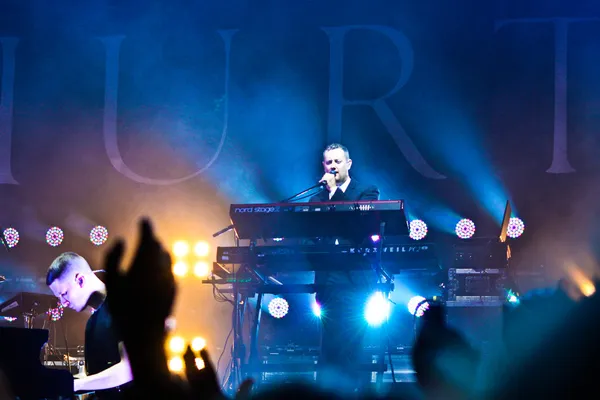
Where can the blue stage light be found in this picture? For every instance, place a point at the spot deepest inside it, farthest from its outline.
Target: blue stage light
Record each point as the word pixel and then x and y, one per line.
pixel 377 309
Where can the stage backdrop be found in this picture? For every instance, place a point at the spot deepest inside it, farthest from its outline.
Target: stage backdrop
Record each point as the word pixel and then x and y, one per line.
pixel 174 110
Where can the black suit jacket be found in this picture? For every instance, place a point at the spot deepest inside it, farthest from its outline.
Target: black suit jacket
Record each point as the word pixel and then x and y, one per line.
pixel 354 192
pixel 361 280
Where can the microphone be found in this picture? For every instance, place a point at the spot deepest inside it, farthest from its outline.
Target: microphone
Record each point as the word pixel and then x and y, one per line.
pixel 333 171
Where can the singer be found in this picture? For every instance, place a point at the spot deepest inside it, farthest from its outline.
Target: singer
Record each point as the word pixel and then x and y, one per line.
pixel 336 180
pixel 343 302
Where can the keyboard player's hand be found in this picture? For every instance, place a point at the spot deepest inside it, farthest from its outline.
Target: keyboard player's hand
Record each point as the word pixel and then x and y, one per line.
pixel 76 385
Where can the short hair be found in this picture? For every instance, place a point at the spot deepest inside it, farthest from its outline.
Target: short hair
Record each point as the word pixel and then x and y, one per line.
pixel 334 146
pixel 61 265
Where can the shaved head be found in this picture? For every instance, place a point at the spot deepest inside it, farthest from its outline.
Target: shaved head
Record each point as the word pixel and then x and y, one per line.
pixel 72 280
pixel 66 264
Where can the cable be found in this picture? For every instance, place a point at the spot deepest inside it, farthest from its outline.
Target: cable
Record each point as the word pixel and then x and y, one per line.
pixel 62 325
pixel 219 296
pixel 224 348
pixel 226 375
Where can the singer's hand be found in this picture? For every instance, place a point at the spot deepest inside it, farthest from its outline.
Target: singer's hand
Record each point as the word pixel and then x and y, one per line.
pixel 329 179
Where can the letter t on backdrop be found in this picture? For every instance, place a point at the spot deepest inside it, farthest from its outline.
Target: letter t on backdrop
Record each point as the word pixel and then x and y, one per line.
pixel 560 157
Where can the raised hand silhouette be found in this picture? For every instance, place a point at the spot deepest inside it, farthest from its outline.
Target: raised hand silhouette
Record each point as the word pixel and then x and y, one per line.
pixel 145 293
pixel 204 383
pixel 139 301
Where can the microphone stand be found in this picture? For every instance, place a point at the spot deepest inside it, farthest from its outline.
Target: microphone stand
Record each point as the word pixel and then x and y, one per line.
pixel 224 230
pixel 232 226
pixel 384 333
pixel 321 185
pixel 313 187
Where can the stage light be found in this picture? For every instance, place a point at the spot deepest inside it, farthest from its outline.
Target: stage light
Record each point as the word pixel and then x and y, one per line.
pixel 418 229
pixel 198 343
pixel 278 307
pixel 316 309
pixel 201 269
pixel 587 288
pixel 375 238
pixel 170 324
pixel 201 249
pixel 277 239
pixel 54 236
pixel 512 297
pixel 176 364
pixel 417 306
pixel 98 235
pixel 181 249
pixel 180 268
pixel 581 279
pixel 465 228
pixel 11 237
pixel 177 345
pixel 377 309
pixel 516 227
pixel 56 313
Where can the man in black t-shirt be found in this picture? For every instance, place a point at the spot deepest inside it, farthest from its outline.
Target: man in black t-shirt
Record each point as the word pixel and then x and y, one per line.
pixel 72 280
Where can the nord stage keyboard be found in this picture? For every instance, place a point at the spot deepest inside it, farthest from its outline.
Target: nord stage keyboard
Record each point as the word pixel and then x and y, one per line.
pixel 358 219
pixel 394 257
pixel 334 206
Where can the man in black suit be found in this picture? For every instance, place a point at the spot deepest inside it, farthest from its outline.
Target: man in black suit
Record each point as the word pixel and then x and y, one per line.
pixel 343 302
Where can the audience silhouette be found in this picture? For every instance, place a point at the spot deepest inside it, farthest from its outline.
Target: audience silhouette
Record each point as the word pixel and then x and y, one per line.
pixel 550 342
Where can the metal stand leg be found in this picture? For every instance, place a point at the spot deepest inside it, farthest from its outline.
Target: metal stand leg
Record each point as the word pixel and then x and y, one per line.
pixel 238 349
pixel 383 330
pixel 380 360
pixel 384 344
pixel 253 362
pixel 232 383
